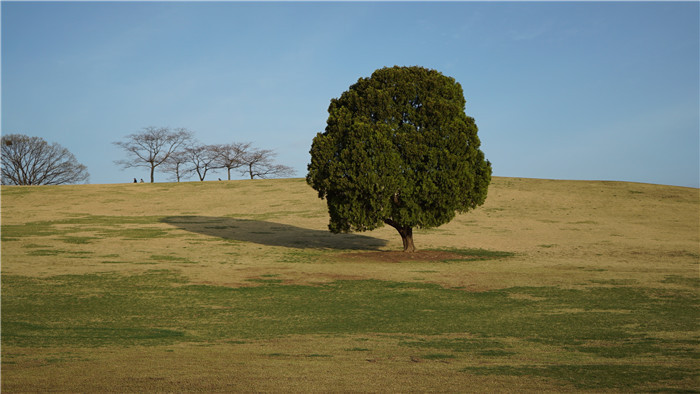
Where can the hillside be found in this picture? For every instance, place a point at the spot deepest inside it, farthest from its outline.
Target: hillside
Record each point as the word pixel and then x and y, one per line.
pixel 271 236
pixel 546 223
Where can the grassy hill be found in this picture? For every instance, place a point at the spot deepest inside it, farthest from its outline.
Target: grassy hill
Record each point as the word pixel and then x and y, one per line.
pixel 238 286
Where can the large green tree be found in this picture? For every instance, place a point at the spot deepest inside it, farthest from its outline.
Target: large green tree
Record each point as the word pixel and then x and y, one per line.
pixel 398 149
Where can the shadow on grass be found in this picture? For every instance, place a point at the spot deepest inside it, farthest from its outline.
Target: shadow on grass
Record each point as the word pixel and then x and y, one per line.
pixel 272 234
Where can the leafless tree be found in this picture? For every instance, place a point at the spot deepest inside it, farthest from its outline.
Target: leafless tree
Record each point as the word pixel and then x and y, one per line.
pixel 32 161
pixel 202 158
pixel 230 156
pixel 178 166
pixel 259 164
pixel 152 147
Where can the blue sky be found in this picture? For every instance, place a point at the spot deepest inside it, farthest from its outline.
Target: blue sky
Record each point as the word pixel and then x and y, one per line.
pixel 604 91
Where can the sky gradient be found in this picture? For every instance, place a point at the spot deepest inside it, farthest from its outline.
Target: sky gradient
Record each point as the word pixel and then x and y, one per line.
pixel 595 91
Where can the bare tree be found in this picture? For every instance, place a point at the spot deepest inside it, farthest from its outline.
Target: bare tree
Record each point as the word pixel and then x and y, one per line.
pixel 259 164
pixel 202 158
pixel 230 156
pixel 32 161
pixel 177 165
pixel 152 147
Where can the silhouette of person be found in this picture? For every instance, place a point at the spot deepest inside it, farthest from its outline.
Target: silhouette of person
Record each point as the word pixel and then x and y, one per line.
pixel 135 180
pixel 141 180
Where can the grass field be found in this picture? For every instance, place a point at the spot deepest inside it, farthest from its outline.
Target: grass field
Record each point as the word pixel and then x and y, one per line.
pixel 238 286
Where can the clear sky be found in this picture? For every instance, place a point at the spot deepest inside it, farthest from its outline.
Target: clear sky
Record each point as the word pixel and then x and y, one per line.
pixel 604 91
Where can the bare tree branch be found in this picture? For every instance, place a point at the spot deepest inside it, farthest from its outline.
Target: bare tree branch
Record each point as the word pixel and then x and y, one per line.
pixel 152 147
pixel 259 164
pixel 202 158
pixel 178 166
pixel 32 161
pixel 230 156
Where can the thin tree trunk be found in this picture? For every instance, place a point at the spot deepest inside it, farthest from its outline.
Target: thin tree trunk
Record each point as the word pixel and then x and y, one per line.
pixel 153 169
pixel 406 233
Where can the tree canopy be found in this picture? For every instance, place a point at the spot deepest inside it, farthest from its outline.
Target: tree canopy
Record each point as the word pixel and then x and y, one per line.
pixel 152 147
pixel 178 153
pixel 258 163
pixel 33 161
pixel 398 149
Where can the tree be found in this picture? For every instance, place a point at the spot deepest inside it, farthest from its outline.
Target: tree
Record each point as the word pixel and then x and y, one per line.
pixel 152 147
pixel 176 164
pixel 33 161
pixel 258 163
pixel 202 159
pixel 398 149
pixel 230 156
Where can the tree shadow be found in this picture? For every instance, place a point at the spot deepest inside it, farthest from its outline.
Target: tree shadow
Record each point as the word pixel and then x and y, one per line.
pixel 272 234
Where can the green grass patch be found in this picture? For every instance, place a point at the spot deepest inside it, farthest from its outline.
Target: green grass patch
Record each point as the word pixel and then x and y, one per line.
pixel 478 346
pixel 477 254
pixel 60 252
pixel 14 232
pixel 303 255
pixel 104 226
pixel 615 282
pixel 682 280
pixel 162 300
pixel 265 281
pixel 172 259
pixel 220 227
pixel 91 334
pixel 437 356
pixel 606 324
pixel 45 252
pixel 688 349
pixel 35 246
pixel 135 233
pixel 77 240
pixel 592 377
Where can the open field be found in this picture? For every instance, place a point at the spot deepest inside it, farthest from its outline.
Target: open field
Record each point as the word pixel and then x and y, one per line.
pixel 238 286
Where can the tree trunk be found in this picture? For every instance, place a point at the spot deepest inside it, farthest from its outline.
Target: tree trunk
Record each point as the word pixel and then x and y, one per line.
pixel 153 169
pixel 406 233
pixel 407 238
